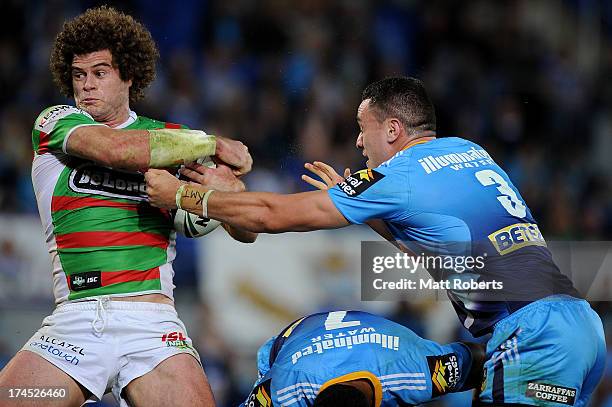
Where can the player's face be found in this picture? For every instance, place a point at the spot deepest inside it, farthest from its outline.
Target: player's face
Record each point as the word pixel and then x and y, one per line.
pixel 98 87
pixel 372 136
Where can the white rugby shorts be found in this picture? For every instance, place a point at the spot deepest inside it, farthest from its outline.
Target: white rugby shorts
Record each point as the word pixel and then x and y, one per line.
pixel 105 344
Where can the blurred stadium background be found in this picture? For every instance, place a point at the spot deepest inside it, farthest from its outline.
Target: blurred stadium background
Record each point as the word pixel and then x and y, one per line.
pixel 527 79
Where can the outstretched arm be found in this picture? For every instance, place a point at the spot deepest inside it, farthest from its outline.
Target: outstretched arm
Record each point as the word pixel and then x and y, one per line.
pixel 241 235
pixel 255 211
pixel 330 178
pixel 223 180
pixel 142 149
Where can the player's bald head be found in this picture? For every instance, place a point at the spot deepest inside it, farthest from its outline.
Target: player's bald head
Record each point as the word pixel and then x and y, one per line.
pixel 403 98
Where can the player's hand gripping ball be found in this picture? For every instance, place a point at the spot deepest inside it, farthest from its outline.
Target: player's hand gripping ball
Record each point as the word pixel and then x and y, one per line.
pixel 189 224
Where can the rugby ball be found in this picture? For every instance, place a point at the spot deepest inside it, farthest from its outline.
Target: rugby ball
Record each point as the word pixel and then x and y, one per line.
pixel 189 224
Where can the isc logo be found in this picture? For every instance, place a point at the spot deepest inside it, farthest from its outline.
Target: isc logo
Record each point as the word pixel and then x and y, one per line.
pixel 173 336
pixel 85 281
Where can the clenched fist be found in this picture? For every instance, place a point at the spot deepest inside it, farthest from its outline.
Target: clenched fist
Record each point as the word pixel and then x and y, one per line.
pixel 162 187
pixel 235 154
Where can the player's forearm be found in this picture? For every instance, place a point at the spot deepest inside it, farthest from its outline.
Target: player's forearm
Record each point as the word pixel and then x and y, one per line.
pixel 140 149
pixel 253 211
pixel 240 235
pixel 121 149
pixel 260 212
pixel 172 147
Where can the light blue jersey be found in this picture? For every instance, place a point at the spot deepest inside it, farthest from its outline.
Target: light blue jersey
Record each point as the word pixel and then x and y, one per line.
pixel 322 349
pixel 448 195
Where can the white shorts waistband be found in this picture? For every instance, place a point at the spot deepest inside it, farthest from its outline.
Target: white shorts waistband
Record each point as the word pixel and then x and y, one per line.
pixel 110 304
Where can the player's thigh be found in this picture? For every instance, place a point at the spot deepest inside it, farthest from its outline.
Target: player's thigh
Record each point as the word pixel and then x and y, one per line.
pixel 539 362
pixel 178 380
pixel 28 370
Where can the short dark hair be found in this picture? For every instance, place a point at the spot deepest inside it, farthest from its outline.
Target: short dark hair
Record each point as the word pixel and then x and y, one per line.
pixel 129 42
pixel 404 98
pixel 341 395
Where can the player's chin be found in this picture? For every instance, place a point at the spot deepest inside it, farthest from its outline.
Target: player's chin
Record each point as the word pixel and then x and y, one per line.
pixel 89 109
pixel 93 110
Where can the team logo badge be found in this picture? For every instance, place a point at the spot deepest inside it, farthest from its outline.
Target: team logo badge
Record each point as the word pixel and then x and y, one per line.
pixel 444 372
pixel 260 396
pixel 356 183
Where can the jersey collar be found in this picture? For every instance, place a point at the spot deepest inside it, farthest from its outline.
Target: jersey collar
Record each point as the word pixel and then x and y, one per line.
pixel 418 141
pixel 132 116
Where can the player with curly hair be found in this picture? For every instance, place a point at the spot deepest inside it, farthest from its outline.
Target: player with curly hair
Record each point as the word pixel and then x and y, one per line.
pixel 115 327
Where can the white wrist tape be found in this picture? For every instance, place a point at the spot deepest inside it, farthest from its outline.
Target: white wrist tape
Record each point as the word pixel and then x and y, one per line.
pixel 171 147
pixel 179 195
pixel 205 203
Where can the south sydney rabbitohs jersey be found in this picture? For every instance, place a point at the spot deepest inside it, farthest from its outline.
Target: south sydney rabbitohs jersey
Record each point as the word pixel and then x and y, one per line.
pixel 322 349
pixel 448 196
pixel 103 236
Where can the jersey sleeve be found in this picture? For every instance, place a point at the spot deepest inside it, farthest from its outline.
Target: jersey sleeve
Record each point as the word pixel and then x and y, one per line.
pixel 371 194
pixel 54 126
pixel 449 369
pixel 260 396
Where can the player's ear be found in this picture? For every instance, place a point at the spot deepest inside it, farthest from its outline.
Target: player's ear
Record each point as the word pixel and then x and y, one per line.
pixel 394 129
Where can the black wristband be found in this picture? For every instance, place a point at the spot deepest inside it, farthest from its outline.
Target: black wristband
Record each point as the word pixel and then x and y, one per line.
pixel 479 356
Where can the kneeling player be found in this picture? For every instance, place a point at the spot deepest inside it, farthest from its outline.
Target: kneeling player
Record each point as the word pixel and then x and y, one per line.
pixel 353 358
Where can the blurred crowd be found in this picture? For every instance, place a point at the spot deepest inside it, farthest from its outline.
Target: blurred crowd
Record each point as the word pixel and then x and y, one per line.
pixel 527 79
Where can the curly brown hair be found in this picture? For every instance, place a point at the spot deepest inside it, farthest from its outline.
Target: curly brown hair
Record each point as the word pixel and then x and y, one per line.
pixel 129 42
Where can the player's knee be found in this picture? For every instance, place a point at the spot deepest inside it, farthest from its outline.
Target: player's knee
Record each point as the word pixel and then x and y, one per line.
pixel 186 370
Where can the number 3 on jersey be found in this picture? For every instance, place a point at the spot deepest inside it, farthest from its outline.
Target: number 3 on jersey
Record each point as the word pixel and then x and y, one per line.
pixel 508 198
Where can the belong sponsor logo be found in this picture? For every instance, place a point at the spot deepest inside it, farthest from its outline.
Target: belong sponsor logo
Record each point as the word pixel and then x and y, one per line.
pixel 89 178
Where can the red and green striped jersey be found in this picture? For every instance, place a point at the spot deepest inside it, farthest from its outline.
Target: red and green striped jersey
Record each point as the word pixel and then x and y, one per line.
pixel 103 236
